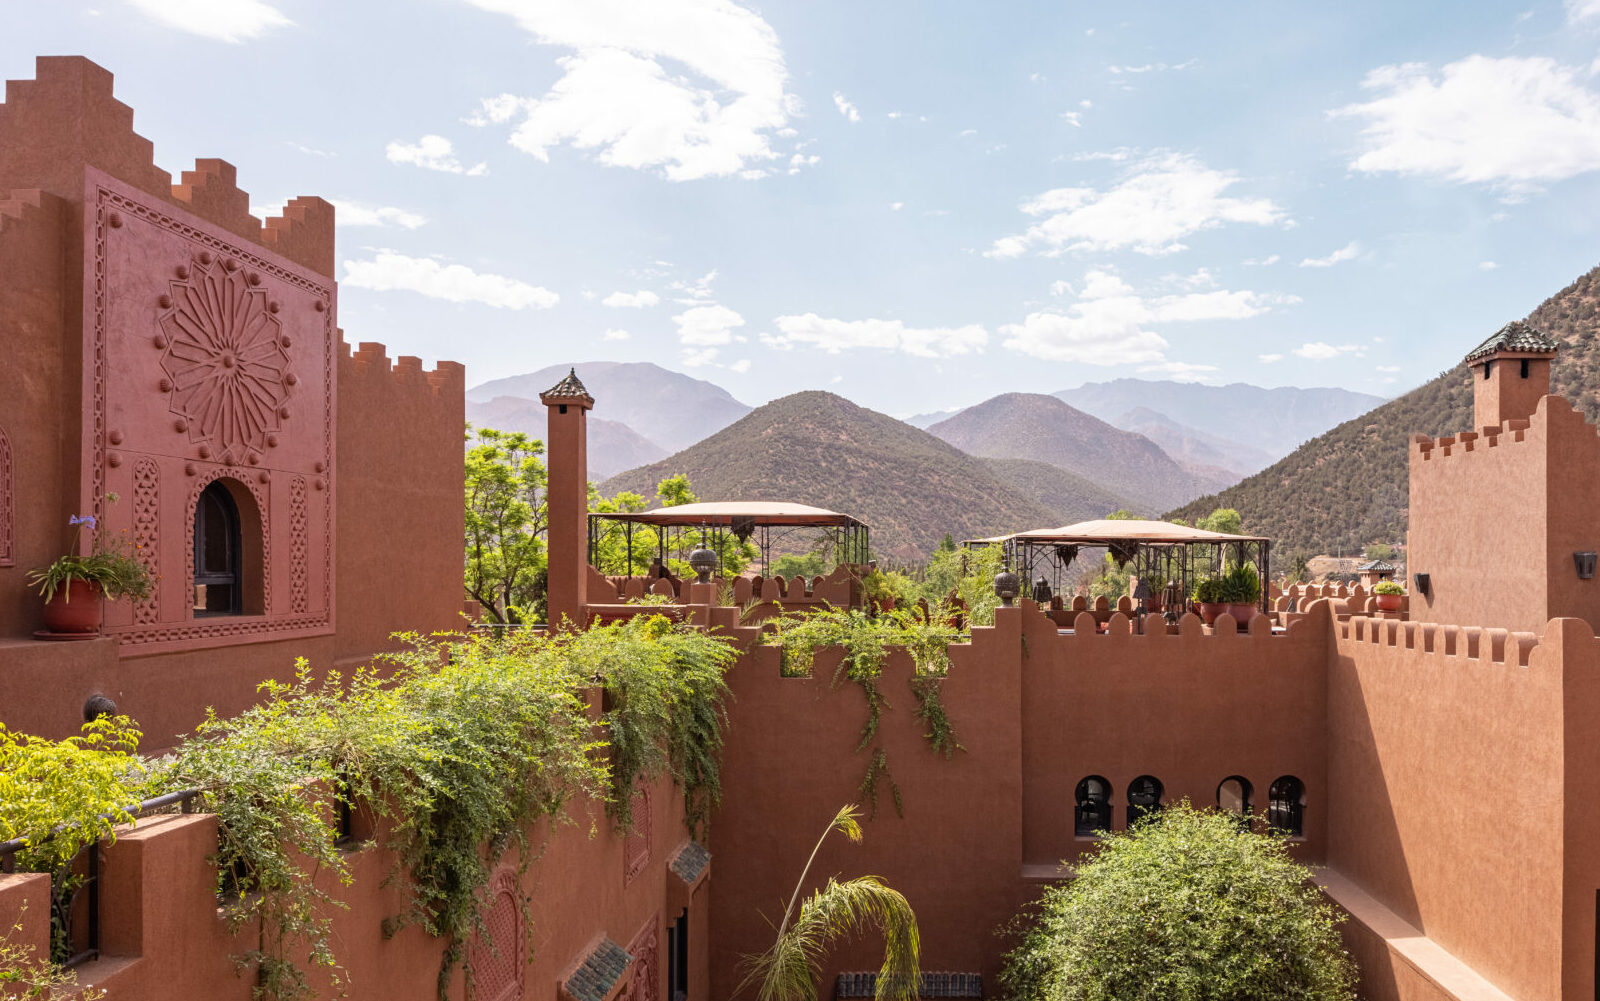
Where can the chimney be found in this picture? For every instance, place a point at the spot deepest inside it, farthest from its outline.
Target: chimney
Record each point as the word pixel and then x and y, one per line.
pixel 567 499
pixel 1510 374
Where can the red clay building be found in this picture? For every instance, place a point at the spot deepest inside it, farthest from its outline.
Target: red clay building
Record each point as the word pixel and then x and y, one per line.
pixel 1440 769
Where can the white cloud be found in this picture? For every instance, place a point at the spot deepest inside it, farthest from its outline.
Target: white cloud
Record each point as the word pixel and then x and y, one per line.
pixel 1159 202
pixel 1086 103
pixel 432 153
pixel 362 214
pixel 1582 10
pixel 707 326
pixel 615 335
pixel 741 366
pixel 834 336
pixel 800 161
pixel 846 109
pixel 631 300
pixel 699 358
pixel 1269 359
pixel 1318 351
pixel 1348 252
pixel 1060 287
pixel 1487 265
pixel 1073 118
pixel 896 206
pixel 1108 324
pixel 697 289
pixel 223 20
pixel 690 88
pixel 1388 368
pixel 1514 123
pixel 388 271
pixel 309 150
pixel 1260 262
pixel 1181 371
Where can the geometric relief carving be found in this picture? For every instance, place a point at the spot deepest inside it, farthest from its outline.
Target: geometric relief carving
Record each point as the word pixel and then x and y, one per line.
pixel 644 980
pixel 496 960
pixel 147 534
pixel 297 544
pixel 636 844
pixel 223 353
pixel 8 531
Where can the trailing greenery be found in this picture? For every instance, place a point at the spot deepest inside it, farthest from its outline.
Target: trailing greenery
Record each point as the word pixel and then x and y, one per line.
pixel 866 641
pixel 788 970
pixel 26 977
pixel 466 747
pixel 1183 906
pixel 114 567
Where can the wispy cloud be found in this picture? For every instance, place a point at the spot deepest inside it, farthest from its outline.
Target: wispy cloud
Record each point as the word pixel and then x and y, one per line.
pixel 363 214
pixel 233 21
pixel 835 336
pixel 1319 351
pixel 1514 123
pixel 1348 252
pixel 631 300
pixel 846 109
pixel 432 153
pixel 389 271
pixel 1269 359
pixel 688 88
pixel 1151 210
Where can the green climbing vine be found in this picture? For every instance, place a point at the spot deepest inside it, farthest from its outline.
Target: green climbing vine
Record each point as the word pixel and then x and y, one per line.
pixel 866 641
pixel 464 744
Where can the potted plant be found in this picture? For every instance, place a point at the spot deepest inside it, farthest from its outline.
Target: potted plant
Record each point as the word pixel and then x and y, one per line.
pixel 1208 595
pixel 74 585
pixel 879 591
pixel 1242 592
pixel 1390 595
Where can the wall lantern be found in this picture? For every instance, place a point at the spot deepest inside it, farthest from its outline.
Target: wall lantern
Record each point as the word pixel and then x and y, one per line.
pixel 1424 583
pixel 1585 565
pixel 1006 585
pixel 1041 590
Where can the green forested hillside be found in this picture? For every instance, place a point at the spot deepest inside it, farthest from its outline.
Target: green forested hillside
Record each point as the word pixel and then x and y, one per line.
pixel 1349 486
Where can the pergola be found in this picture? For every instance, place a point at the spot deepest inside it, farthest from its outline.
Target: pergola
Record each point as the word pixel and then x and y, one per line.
pixel 1160 551
pixel 765 522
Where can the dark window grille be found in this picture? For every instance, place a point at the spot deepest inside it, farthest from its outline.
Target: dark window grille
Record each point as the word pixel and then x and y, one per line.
pixel 1093 813
pixel 1286 806
pixel 218 556
pixel 678 958
pixel 1144 797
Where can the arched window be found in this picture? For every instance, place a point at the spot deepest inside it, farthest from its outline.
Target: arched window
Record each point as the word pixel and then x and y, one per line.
pixel 1286 806
pixel 1233 795
pixel 1093 813
pixel 1144 797
pixel 218 554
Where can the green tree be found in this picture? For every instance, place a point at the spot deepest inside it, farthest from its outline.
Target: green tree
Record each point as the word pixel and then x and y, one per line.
pixel 1184 906
pixel 1122 514
pixel 1224 519
pixel 1380 551
pixel 788 970
pixel 505 524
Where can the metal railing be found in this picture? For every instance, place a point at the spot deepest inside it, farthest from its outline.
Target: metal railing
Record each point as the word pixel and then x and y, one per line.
pixel 63 904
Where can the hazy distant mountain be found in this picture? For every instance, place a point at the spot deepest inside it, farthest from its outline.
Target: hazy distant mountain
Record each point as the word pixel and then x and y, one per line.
pixel 1045 429
pixel 1272 420
pixel 1192 447
pixel 925 421
pixel 1351 486
pixel 668 408
pixel 613 446
pixel 821 449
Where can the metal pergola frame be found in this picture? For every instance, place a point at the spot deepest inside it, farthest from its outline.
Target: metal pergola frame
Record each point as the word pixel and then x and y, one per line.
pixel 849 538
pixel 1040 554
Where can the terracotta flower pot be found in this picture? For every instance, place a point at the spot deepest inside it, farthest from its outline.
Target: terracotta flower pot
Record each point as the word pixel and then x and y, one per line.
pixel 1389 602
pixel 1242 614
pixel 1209 610
pixel 74 608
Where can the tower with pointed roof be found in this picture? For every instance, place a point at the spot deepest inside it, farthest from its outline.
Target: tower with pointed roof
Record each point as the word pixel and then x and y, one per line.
pixel 567 499
pixel 1511 374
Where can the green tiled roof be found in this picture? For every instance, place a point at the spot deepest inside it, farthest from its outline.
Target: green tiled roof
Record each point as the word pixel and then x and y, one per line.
pixel 599 972
pixel 690 862
pixel 1515 336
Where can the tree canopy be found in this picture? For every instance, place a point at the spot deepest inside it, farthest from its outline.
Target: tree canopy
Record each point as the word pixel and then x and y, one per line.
pixel 1186 905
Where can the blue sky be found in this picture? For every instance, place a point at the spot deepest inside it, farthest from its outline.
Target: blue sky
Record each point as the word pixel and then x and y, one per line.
pixel 916 205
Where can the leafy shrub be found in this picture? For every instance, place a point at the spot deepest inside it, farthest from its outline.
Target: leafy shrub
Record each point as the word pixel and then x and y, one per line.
pixel 1183 906
pixel 1387 587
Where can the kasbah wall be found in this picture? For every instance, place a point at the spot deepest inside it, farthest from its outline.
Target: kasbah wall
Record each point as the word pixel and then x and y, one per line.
pixel 1450 780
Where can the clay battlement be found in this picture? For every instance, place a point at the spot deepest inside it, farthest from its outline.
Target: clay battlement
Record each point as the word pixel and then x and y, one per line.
pixel 371 357
pixel 67 118
pixel 1497 646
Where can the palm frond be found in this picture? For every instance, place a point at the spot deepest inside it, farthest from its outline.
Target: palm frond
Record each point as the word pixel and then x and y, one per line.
pixel 788 971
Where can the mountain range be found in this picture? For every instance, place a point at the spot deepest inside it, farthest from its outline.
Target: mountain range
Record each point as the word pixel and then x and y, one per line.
pixel 1349 486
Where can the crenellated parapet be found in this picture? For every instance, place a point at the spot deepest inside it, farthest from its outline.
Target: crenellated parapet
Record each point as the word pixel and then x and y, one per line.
pixel 67 118
pixel 370 359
